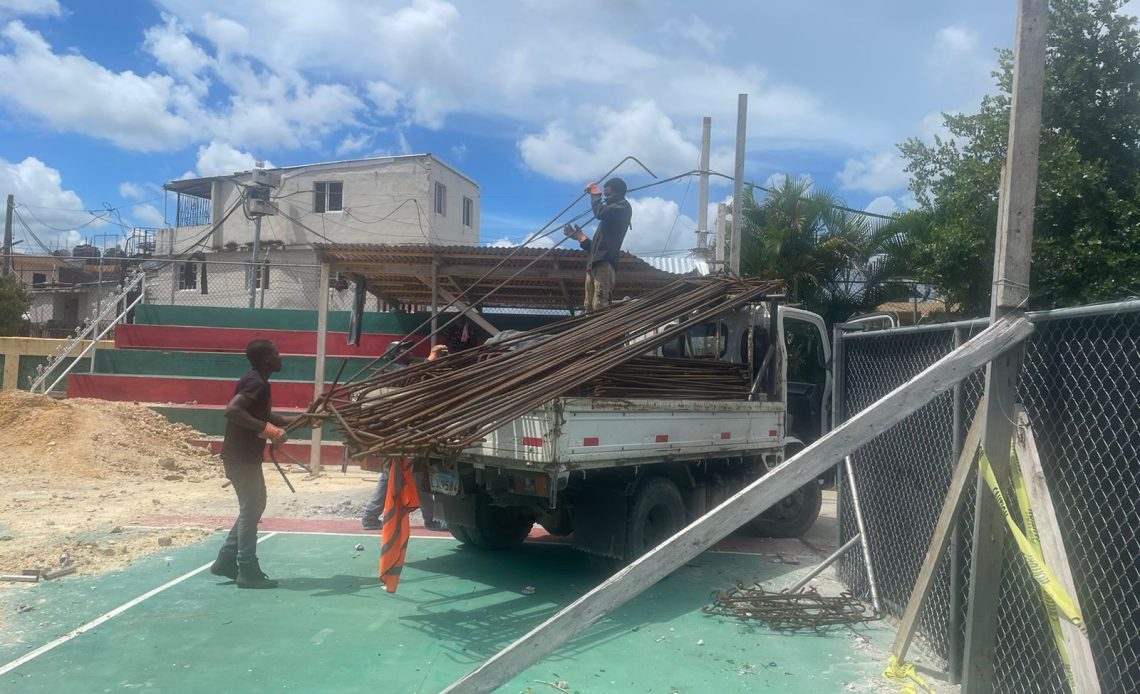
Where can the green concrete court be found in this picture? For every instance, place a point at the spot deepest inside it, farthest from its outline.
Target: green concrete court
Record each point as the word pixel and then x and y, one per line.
pixel 331 628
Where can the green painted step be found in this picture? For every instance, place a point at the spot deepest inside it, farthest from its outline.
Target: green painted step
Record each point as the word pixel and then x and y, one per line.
pixel 28 364
pixel 212 422
pixel 293 319
pixel 147 362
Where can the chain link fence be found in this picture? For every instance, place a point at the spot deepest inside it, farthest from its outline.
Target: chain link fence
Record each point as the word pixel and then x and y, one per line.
pixel 1079 385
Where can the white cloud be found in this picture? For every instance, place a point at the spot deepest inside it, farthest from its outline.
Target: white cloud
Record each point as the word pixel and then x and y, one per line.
pixel 877 173
pixel 1132 7
pixel 173 49
pixel 955 39
pixel 384 97
pixel 642 130
pixel 884 204
pixel 222 159
pixel 658 226
pixel 352 144
pixel 694 30
pixel 147 216
pixel 131 191
pixel 32 7
pixel 54 213
pixel 72 93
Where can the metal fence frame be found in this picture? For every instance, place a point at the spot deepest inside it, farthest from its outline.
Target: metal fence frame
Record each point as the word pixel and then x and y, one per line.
pixel 1080 384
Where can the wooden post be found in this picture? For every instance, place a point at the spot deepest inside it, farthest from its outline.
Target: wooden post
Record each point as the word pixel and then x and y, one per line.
pixel 1012 254
pixel 1053 551
pixel 721 210
pixel 744 505
pixel 319 372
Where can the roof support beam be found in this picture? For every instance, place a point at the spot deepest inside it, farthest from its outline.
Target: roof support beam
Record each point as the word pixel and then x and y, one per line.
pixel 462 306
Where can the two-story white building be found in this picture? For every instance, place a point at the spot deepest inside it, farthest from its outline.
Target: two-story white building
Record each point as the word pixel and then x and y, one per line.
pixel 412 198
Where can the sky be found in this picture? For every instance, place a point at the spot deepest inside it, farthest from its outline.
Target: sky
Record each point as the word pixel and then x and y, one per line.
pixel 104 101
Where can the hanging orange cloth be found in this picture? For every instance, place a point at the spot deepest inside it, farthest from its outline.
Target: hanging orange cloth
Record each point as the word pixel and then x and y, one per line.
pixel 400 501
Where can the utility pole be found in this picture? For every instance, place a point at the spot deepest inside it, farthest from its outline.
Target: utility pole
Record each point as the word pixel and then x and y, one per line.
pixel 703 191
pixel 9 211
pixel 738 183
pixel 258 206
pixel 1012 253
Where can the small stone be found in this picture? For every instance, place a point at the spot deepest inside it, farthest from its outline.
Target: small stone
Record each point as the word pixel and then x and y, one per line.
pixel 5 538
pixel 359 547
pixel 168 464
pixel 173 478
pixel 165 541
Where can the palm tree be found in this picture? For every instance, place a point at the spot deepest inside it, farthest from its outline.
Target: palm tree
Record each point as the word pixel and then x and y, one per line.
pixel 834 261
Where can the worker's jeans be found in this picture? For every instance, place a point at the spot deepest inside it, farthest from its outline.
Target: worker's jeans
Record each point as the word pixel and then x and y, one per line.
pixel 599 286
pixel 249 485
pixel 374 509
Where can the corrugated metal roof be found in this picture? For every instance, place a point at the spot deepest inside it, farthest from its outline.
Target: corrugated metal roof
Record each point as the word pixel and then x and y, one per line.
pixel 678 264
pixel 515 277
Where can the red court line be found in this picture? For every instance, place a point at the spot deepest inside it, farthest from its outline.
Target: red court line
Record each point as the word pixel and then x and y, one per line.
pixel 202 339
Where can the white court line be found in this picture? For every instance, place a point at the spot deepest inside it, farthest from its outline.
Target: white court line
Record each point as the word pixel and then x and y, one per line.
pixel 106 617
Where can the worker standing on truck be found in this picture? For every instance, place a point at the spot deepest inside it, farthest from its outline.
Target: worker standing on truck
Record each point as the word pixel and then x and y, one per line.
pixel 614 216
pixel 250 422
pixel 399 356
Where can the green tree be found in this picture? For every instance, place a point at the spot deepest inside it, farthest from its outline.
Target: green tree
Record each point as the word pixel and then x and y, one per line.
pixel 834 261
pixel 1087 216
pixel 14 302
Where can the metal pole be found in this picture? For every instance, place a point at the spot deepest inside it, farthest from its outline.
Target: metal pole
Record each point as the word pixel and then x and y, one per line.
pixel 954 657
pixel 824 564
pixel 738 182
pixel 720 236
pixel 434 298
pixel 319 371
pixel 98 310
pixel 8 212
pixel 703 191
pixel 253 278
pixel 862 532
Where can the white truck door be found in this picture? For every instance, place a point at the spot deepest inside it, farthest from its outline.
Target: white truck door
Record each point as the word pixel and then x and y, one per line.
pixel 809 384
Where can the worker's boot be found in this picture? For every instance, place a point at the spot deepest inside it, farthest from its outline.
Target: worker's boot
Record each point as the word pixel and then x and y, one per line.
pixel 226 564
pixel 250 575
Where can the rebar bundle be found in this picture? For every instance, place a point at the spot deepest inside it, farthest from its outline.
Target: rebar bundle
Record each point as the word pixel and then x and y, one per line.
pixel 446 405
pixel 789 611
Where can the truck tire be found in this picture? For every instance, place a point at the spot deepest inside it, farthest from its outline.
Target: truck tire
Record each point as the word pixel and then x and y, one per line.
pixel 793 515
pixel 657 513
pixel 495 527
pixel 459 532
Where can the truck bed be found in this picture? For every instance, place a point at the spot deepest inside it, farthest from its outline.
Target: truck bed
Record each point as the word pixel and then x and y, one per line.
pixel 586 433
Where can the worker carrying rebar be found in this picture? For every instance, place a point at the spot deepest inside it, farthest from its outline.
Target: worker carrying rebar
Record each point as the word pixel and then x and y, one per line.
pixel 614 216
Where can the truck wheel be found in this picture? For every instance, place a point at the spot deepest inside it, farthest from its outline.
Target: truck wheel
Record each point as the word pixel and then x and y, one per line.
pixel 496 527
pixel 792 515
pixel 658 512
pixel 459 532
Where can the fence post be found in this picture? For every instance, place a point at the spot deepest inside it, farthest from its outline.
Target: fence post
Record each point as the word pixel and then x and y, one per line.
pixel 319 372
pixel 954 637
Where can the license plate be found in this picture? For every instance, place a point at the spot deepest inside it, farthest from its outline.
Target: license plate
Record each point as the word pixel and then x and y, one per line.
pixel 444 483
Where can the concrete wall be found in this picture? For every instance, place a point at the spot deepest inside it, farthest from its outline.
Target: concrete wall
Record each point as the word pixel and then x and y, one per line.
pixel 294 275
pixel 384 201
pixel 21 355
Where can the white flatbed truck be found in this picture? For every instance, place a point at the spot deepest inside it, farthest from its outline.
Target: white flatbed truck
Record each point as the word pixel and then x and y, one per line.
pixel 620 475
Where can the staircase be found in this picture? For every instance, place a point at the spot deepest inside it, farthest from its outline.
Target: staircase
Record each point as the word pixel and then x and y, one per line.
pixel 183 362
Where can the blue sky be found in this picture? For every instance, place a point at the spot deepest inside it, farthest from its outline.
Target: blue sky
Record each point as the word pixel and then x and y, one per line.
pixel 106 101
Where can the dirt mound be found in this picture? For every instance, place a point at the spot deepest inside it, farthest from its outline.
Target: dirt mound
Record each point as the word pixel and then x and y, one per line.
pixel 96 439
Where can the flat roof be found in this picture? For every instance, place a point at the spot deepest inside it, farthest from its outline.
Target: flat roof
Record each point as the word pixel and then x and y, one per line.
pixel 500 277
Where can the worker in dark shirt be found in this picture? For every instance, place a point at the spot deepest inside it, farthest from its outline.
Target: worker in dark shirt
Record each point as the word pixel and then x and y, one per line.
pixel 250 422
pixel 614 216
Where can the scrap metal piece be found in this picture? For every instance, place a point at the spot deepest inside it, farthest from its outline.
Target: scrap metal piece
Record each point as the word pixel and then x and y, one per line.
pixel 786 611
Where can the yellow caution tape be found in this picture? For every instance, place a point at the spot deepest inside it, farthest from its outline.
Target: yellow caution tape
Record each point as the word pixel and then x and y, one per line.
pixel 904 673
pixel 1031 554
pixel 1027 518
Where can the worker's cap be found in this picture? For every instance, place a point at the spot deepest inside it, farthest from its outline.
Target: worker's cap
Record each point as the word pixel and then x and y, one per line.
pixel 396 348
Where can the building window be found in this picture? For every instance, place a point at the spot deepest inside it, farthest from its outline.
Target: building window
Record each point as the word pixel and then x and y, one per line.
pixel 261 277
pixel 328 196
pixel 39 279
pixel 468 211
pixel 440 199
pixel 188 276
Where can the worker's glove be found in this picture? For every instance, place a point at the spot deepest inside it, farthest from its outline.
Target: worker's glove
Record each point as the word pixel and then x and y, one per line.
pixel 572 231
pixel 437 352
pixel 273 433
pixel 593 189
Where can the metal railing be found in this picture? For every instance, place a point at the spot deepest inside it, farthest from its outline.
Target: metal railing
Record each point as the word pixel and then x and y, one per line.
pixel 1080 384
pixel 92 333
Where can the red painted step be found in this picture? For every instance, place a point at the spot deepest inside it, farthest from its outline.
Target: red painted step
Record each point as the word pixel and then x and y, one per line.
pixel 198 339
pixel 162 389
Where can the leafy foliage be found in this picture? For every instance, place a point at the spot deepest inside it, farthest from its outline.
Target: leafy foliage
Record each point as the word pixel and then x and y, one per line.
pixel 833 261
pixel 1087 214
pixel 14 302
